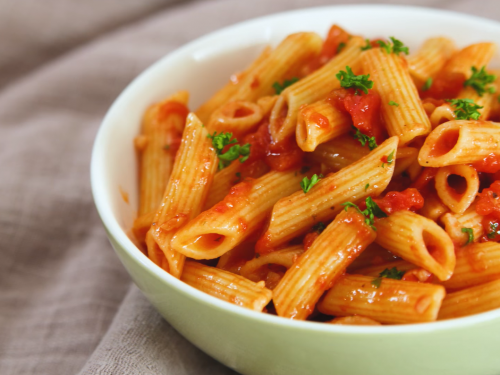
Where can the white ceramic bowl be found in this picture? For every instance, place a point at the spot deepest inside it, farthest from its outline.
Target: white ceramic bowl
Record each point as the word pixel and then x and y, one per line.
pixel 255 343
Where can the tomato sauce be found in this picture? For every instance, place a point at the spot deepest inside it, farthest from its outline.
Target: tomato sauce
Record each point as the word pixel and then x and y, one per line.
pixel 446 85
pixel 409 199
pixel 444 143
pixel 490 164
pixel 279 156
pixel 309 239
pixel 330 48
pixel 489 201
pixel 422 183
pixel 236 196
pixel 172 107
pixel 319 120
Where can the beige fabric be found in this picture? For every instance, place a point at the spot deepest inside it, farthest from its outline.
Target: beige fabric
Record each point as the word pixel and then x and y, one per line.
pixel 62 62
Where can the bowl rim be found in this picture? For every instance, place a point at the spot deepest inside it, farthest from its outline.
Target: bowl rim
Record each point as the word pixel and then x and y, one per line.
pixel 114 230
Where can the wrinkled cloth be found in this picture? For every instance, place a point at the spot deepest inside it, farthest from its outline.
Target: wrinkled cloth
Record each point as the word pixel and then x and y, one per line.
pixel 67 305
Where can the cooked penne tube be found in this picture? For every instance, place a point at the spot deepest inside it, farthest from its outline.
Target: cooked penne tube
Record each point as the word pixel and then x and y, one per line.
pixel 419 241
pixel 477 263
pixel 401 265
pixel 374 254
pixel 430 59
pixel 460 142
pixel 392 81
pixel 226 93
pixel 318 268
pixel 293 215
pixel 477 55
pixel 266 104
pixel 318 123
pixel 241 213
pixel 394 301
pixel 285 257
pixel 457 196
pixel 142 225
pixel 162 127
pixel 470 301
pixel 154 252
pixel 186 191
pixel 442 114
pixel 226 286
pixel 314 87
pixel 355 320
pixel 237 117
pixel 485 100
pixel 454 223
pixel 433 208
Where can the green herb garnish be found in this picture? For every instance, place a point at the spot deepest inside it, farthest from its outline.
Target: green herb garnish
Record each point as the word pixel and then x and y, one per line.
pixel 219 141
pixel 390 159
pixel 465 109
pixel 364 139
pixel 494 232
pixel 372 211
pixel 479 79
pixel 340 47
pixel 367 186
pixel 287 82
pixel 319 227
pixel 394 104
pixel 427 85
pixel 396 47
pixel 392 273
pixel 349 80
pixel 367 46
pixel 470 235
pixel 306 184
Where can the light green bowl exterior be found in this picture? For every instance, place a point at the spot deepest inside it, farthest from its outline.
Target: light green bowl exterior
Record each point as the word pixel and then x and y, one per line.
pixel 260 344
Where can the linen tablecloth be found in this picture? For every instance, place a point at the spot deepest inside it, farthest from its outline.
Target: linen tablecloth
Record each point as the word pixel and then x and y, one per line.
pixel 67 305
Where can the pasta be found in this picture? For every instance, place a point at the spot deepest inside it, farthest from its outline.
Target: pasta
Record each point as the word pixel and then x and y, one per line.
pixel 334 180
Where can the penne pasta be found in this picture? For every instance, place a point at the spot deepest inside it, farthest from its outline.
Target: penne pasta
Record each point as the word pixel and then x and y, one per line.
pixel 310 89
pixel 433 208
pixel 457 196
pixel 392 81
pixel 315 271
pixel 186 191
pixel 355 320
pixel 401 265
pixel 442 114
pixel 237 117
pixel 226 286
pixel 293 215
pixel 393 302
pixel 418 240
pixel 241 213
pixel 460 142
pixel 454 223
pixel 470 301
pixel 318 123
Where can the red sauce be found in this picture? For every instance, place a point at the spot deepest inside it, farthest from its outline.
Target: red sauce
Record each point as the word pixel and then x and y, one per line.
pixel 280 156
pixel 255 83
pixel 174 223
pixel 409 199
pixel 309 239
pixel 446 85
pixel 444 143
pixel 336 35
pixel 243 112
pixel 263 244
pixel 490 164
pixel 236 196
pixel 319 120
pixel 363 108
pixel 422 183
pixel 491 224
pixel 172 107
pixel 489 202
pixel 384 159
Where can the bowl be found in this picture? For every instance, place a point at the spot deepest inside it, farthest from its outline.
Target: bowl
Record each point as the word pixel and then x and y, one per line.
pixel 254 343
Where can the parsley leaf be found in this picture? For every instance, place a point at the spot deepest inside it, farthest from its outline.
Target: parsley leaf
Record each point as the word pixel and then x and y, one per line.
pixel 392 273
pixel 494 232
pixel 367 46
pixel 479 79
pixel 287 82
pixel 470 235
pixel 396 47
pixel 390 159
pixel 349 80
pixel 372 211
pixel 363 139
pixel 427 85
pixel 465 109
pixel 340 47
pixel 219 141
pixel 307 184
pixel 393 103
pixel 367 186
pixel 319 227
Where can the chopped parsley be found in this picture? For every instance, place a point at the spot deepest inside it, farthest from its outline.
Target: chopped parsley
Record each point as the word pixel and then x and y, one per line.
pixel 367 46
pixel 479 79
pixel 396 47
pixel 364 139
pixel 349 80
pixel 287 82
pixel 394 104
pixel 465 109
pixel 372 211
pixel 340 47
pixel 390 159
pixel 494 232
pixel 306 184
pixel 427 85
pixel 219 141
pixel 470 235
pixel 367 186
pixel 392 273
pixel 319 227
